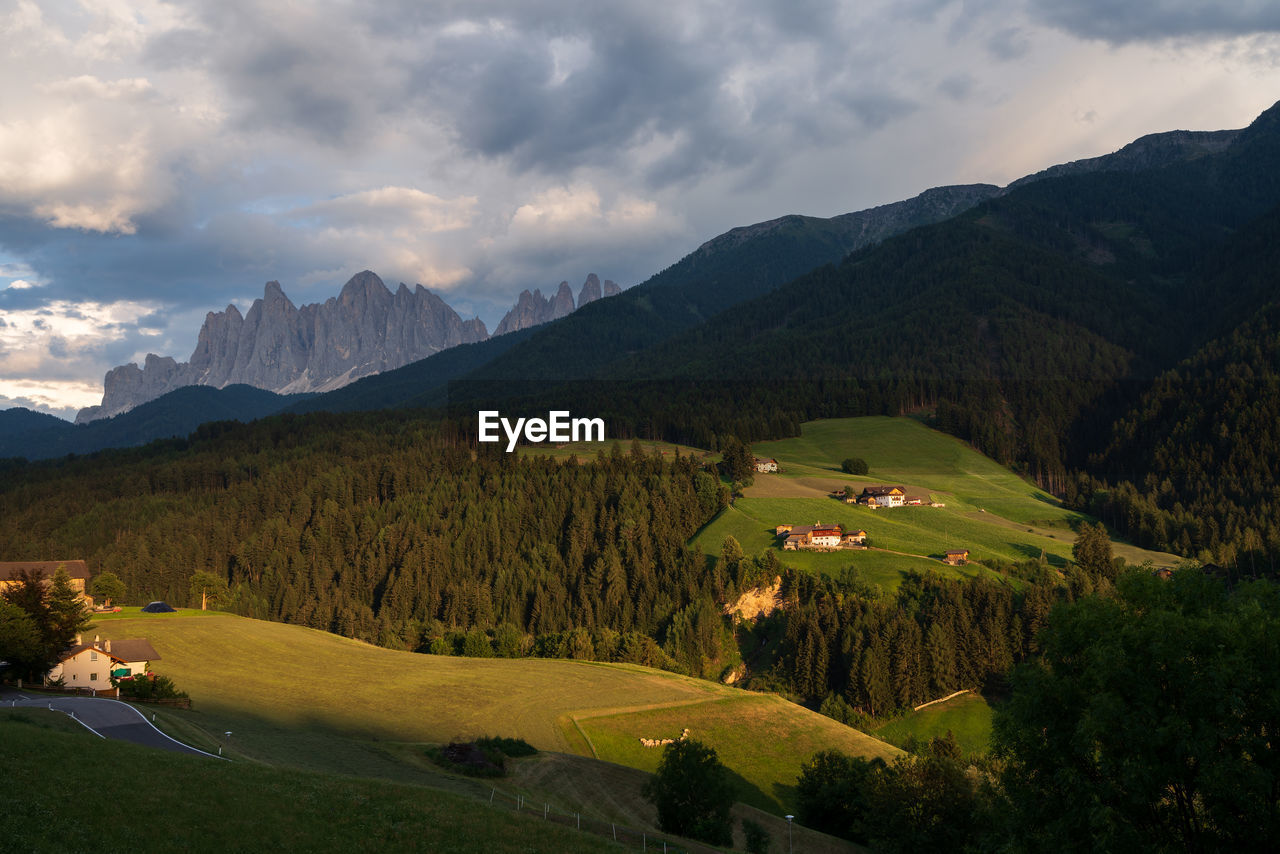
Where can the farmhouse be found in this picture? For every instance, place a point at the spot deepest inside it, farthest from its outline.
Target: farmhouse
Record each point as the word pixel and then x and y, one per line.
pixel 819 537
pixel 854 539
pixel 956 557
pixel 92 665
pixel 883 496
pixel 826 537
pixel 766 465
pixel 76 569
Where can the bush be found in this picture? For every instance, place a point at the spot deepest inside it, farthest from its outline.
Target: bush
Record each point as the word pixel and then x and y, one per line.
pixel 484 757
pixel 757 838
pixel 854 465
pixel 149 687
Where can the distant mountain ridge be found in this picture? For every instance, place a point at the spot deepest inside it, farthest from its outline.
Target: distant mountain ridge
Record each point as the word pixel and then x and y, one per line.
pixel 533 309
pixel 319 347
pixel 747 262
pixel 176 414
pixel 739 265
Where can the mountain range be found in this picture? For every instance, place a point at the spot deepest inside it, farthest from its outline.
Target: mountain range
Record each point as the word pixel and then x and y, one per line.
pixel 365 330
pixel 1107 326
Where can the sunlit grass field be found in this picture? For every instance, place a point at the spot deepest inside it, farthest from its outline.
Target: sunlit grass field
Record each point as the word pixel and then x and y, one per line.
pixel 303 698
pixel 967 717
pixel 762 738
pixel 988 510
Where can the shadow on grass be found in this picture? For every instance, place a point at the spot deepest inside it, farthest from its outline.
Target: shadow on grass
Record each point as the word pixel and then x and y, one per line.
pixel 784 794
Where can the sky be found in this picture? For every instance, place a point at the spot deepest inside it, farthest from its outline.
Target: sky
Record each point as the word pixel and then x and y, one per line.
pixel 159 160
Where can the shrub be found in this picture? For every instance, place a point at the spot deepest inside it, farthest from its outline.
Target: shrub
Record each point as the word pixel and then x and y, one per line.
pixel 484 757
pixel 854 465
pixel 149 687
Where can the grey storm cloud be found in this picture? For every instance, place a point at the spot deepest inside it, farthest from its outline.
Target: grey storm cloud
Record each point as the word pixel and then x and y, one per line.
pixel 163 165
pixel 551 86
pixel 1149 20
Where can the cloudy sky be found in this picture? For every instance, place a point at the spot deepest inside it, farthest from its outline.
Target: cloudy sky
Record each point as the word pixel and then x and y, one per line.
pixel 161 159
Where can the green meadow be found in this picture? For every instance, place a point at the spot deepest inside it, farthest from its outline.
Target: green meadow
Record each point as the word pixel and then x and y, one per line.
pixel 162 802
pixel 762 738
pixel 301 698
pixel 904 451
pixel 988 510
pixel 967 717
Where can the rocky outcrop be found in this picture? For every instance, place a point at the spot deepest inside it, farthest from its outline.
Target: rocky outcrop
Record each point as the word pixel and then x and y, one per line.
pixel 277 346
pixel 533 309
pixel 590 290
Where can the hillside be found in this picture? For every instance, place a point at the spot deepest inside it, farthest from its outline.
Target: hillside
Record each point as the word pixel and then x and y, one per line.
pixel 193 803
pixel 750 262
pixel 315 686
pixel 175 414
pixel 1000 517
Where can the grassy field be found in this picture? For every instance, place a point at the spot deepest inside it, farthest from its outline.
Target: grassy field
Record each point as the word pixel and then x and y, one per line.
pixel 968 717
pixel 762 738
pixel 989 510
pixel 302 698
pixel 168 802
pixel 568 781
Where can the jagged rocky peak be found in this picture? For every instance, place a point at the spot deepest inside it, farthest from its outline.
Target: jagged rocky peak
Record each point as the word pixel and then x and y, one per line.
pixel 533 309
pixel 286 349
pixel 590 290
pixel 275 345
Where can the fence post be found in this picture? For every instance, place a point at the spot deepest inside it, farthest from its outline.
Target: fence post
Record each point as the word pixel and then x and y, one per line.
pixel 545 807
pixel 578 816
pixel 615 832
pixel 492 792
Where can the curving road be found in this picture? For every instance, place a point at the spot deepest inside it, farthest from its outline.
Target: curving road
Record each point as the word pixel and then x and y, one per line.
pixel 103 717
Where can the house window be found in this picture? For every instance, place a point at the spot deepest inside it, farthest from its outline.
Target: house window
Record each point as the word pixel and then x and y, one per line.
pixel 93 677
pixel 93 656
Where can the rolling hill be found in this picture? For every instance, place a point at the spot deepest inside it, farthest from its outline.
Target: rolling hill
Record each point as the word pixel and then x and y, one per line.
pixel 997 515
pixel 303 698
pixel 176 414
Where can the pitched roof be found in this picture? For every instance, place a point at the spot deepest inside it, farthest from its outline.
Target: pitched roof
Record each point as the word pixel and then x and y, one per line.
pixel 883 490
pixel 129 649
pixel 134 649
pixel 75 568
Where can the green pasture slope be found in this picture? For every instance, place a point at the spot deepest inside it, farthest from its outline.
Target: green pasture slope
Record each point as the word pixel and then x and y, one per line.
pixel 302 698
pixel 163 802
pixel 967 717
pixel 989 509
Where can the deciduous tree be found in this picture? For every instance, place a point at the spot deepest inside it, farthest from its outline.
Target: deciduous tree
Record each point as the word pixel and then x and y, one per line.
pixel 692 793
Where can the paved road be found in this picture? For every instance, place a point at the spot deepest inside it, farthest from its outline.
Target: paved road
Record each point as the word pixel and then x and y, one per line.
pixel 107 718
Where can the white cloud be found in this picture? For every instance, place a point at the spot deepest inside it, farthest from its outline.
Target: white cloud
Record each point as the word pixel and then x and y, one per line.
pixel 404 207
pixel 179 154
pixel 56 354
